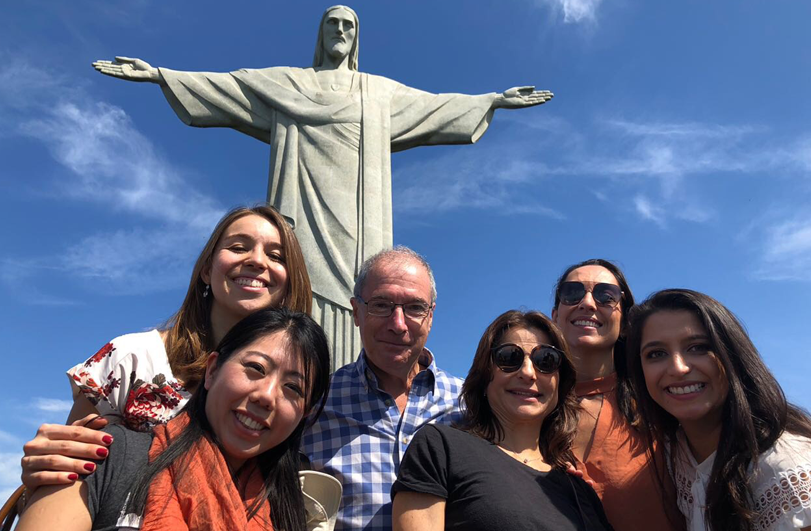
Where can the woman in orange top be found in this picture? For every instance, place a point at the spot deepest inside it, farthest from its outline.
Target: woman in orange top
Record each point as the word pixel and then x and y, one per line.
pixel 592 299
pixel 230 460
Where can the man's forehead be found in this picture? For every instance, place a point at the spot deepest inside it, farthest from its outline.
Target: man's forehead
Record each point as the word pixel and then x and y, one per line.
pixel 399 275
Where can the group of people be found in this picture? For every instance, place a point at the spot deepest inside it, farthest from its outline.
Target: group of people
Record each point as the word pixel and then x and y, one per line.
pixel 606 415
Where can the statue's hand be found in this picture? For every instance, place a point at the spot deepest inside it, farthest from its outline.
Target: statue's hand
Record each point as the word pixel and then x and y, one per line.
pixel 129 69
pixel 518 97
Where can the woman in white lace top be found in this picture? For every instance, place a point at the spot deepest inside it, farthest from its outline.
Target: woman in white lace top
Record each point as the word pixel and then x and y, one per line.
pixel 740 455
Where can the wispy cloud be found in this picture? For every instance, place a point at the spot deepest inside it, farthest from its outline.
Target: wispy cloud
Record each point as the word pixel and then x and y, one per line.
pixel 574 11
pixel 10 471
pixel 647 210
pixel 112 165
pixel 480 178
pixel 53 405
pixel 786 250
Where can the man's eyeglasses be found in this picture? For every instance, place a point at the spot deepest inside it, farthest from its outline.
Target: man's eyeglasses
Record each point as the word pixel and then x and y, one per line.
pixel 545 358
pixel 384 308
pixel 571 293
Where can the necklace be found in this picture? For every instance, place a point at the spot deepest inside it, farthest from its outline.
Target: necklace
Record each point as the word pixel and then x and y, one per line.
pixel 518 456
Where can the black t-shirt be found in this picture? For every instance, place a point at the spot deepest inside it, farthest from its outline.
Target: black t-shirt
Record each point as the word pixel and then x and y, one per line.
pixel 486 489
pixel 109 486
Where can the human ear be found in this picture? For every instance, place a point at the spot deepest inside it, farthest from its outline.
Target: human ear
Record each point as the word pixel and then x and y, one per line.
pixel 211 369
pixel 355 310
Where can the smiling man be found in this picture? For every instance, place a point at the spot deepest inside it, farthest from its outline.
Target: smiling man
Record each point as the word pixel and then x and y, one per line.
pixel 378 402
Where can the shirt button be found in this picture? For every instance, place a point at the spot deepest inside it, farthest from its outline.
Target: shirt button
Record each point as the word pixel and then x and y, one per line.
pixel 405 440
pixel 388 403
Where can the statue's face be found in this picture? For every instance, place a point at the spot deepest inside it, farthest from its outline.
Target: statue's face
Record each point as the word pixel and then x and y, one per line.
pixel 338 33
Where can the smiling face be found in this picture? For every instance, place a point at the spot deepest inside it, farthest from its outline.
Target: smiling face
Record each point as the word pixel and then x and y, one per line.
pixel 247 271
pixel 681 372
pixel 338 32
pixel 526 395
pixel 588 325
pixel 393 344
pixel 256 398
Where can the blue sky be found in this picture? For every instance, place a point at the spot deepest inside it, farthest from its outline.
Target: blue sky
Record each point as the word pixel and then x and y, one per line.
pixel 678 144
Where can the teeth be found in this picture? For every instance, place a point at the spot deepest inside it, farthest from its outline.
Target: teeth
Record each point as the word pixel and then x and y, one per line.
pixel 686 389
pixel 586 322
pixel 251 282
pixel 524 393
pixel 249 422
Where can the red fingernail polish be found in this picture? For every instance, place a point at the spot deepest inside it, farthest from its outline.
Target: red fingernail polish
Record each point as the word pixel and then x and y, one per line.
pixel 89 467
pixel 102 452
pixel 107 439
pixel 73 477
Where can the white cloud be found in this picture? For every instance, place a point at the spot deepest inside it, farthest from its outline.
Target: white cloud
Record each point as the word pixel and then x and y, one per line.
pixel 10 471
pixel 53 404
pixel 786 251
pixel 648 211
pixel 7 439
pixel 575 11
pixel 112 165
pixel 482 177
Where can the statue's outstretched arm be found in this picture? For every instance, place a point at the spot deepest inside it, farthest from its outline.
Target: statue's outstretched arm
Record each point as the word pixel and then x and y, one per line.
pixel 130 69
pixel 518 97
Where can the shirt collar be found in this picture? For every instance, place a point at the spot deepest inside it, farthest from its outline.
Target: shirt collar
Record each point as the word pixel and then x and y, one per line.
pixel 369 379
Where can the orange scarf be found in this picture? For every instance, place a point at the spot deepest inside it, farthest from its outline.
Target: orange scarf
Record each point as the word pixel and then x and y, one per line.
pixel 205 496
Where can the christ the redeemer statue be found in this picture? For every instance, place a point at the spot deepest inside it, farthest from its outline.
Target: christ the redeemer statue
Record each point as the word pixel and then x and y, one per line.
pixel 331 131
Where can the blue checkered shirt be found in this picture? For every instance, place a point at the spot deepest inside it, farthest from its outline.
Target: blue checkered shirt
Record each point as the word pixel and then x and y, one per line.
pixel 361 437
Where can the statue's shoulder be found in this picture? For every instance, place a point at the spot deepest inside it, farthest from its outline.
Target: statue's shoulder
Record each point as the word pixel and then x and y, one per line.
pixel 283 75
pixel 382 82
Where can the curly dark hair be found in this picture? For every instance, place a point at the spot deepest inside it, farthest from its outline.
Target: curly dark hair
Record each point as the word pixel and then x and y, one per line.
pixel 558 429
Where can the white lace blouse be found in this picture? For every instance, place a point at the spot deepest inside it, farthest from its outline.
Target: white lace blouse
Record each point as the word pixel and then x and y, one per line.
pixel 780 483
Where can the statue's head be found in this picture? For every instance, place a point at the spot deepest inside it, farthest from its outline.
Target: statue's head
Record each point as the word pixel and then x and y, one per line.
pixel 337 36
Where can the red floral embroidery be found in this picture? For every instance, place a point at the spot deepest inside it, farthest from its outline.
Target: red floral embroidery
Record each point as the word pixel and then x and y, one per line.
pixel 143 404
pixel 98 356
pixel 151 403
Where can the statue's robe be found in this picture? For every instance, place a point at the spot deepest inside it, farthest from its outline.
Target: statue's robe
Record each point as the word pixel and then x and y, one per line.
pixel 330 160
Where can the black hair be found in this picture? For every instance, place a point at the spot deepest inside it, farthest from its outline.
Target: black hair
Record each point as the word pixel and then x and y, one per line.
pixel 278 466
pixel 755 412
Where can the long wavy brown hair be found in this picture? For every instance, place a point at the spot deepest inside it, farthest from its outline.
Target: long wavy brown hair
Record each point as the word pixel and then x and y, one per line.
pixel 558 428
pixel 755 412
pixel 189 337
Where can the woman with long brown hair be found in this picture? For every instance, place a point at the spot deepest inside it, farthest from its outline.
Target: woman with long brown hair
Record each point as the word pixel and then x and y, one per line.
pixel 251 261
pixel 739 453
pixel 507 461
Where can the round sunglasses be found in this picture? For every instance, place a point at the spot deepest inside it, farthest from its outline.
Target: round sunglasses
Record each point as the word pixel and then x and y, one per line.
pixel 545 358
pixel 604 294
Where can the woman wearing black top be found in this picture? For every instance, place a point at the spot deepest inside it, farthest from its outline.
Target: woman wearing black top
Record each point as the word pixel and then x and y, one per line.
pixel 505 466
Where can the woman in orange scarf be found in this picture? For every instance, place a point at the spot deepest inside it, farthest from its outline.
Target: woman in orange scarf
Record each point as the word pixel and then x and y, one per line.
pixel 229 461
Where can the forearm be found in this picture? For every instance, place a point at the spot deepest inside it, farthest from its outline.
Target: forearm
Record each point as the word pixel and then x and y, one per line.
pixel 62 507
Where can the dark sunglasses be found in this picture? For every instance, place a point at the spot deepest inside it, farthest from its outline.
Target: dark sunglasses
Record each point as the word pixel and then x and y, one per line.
pixel 510 358
pixel 571 293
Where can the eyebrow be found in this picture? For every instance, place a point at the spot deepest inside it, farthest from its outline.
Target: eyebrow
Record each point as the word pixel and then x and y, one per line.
pixel 694 337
